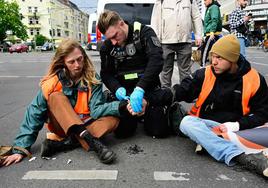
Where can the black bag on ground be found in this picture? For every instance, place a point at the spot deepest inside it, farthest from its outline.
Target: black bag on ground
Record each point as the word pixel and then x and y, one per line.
pixel 176 114
pixel 156 121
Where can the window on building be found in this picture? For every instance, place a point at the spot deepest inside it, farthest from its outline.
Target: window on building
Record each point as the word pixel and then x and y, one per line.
pixel 37 31
pixel 58 32
pixel 40 0
pixel 31 20
pixel 30 9
pixel 66 25
pixel 36 21
pixel 35 9
pixel 31 32
pixel 23 0
pixel 67 33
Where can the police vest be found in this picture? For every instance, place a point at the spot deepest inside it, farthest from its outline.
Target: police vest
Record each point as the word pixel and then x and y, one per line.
pixel 130 61
pixel 81 106
pixel 251 83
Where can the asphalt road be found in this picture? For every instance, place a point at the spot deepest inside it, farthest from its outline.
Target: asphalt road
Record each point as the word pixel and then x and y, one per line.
pixel 142 160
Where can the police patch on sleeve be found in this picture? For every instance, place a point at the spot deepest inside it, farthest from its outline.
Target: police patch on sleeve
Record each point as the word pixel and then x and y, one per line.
pixel 130 49
pixel 156 41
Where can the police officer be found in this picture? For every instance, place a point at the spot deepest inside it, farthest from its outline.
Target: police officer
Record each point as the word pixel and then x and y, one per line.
pixel 131 61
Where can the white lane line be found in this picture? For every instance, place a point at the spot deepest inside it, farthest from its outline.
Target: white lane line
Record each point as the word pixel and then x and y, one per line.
pixel 33 76
pixel 168 176
pixel 263 64
pixel 10 76
pixel 72 175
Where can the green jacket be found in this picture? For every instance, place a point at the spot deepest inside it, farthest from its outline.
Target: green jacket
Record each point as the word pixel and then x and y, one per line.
pixel 36 113
pixel 212 21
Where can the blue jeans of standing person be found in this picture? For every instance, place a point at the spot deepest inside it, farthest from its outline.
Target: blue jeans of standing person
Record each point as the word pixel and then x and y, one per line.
pixel 199 130
pixel 242 46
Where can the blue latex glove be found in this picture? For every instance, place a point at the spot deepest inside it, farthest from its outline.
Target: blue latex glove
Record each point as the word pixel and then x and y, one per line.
pixel 121 94
pixel 136 99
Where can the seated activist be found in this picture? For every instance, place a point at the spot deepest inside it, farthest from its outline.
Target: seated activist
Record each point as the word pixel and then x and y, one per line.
pixel 71 99
pixel 231 98
pixel 131 61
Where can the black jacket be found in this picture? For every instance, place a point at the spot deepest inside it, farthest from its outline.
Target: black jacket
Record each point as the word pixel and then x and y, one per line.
pixel 224 102
pixel 150 55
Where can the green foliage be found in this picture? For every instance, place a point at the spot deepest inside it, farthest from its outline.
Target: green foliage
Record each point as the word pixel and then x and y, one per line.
pixel 40 40
pixel 10 19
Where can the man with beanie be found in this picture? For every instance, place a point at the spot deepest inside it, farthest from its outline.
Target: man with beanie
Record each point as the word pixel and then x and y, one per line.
pixel 232 98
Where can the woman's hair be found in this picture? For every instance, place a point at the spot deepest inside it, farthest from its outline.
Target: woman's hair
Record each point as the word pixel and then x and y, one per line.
pixel 57 64
pixel 108 18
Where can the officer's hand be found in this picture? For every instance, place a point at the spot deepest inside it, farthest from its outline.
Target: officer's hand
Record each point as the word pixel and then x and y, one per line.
pixel 121 94
pixel 136 99
pixel 144 105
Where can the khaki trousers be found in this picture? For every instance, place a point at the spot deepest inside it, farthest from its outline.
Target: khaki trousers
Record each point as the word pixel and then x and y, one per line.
pixel 62 116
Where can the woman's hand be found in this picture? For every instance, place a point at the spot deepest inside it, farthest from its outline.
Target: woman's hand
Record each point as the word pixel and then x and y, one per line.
pixel 11 159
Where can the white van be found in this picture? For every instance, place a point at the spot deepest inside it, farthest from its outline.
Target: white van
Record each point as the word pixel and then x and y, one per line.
pixel 129 10
pixel 91 37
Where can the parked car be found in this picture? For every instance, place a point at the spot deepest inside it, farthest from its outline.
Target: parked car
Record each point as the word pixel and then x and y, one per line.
pixel 4 47
pixel 19 48
pixel 47 46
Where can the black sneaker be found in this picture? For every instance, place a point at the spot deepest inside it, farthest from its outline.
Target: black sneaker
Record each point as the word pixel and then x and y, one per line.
pixel 257 162
pixel 51 147
pixel 105 155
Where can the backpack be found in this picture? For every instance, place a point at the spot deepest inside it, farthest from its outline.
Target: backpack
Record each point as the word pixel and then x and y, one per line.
pixel 156 121
pixel 176 113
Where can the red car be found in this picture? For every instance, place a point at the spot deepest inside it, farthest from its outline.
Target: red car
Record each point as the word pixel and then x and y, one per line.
pixel 19 48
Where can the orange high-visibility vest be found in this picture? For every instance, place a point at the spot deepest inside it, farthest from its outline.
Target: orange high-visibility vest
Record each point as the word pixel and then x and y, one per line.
pixel 251 83
pixel 81 106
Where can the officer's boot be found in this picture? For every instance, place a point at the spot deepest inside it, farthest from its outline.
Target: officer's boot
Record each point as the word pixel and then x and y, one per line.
pixel 51 147
pixel 105 155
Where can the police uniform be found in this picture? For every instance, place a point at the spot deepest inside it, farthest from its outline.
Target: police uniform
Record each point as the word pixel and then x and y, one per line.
pixel 138 63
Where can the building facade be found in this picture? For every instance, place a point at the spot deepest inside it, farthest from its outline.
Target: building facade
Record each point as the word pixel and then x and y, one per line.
pixel 55 19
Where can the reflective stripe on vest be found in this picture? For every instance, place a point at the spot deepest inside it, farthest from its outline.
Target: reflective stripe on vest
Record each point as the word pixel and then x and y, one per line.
pixel 54 85
pixel 251 83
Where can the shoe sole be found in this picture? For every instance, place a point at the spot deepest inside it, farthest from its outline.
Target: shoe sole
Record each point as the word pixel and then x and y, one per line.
pixel 265 172
pixel 110 159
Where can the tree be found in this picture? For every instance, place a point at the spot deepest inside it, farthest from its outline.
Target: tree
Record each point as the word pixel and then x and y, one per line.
pixel 10 19
pixel 40 40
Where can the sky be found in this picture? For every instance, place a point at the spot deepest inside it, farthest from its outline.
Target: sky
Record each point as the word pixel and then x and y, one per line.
pixel 88 6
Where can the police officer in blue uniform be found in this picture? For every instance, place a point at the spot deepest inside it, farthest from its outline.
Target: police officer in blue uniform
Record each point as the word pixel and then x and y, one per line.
pixel 131 61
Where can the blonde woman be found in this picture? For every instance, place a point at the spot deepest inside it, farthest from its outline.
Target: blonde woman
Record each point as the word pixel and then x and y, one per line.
pixel 69 100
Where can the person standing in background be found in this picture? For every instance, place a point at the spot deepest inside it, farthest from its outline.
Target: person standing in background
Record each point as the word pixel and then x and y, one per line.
pixel 212 28
pixel 238 24
pixel 173 22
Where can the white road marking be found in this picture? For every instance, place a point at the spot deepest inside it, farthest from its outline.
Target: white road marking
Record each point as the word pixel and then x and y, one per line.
pixel 168 176
pixel 72 175
pixel 263 64
pixel 14 76
pixel 9 76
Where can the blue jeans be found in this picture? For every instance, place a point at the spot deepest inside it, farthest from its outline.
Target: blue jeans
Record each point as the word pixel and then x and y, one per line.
pixel 199 130
pixel 242 46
